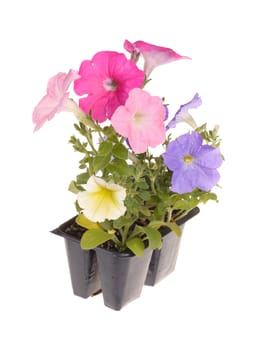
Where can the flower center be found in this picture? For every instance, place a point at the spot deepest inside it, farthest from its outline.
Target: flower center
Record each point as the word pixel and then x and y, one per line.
pixel 137 118
pixel 188 159
pixel 110 84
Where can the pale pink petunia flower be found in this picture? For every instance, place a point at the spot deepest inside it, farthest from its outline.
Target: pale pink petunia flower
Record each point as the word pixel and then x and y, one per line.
pixel 56 100
pixel 106 81
pixel 141 120
pixel 153 55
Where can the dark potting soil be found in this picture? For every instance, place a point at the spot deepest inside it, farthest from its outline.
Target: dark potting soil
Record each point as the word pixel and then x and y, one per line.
pixel 74 230
pixel 71 228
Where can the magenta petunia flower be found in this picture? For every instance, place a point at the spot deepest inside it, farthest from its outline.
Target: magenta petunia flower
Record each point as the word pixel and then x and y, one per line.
pixel 141 120
pixel 153 55
pixel 56 99
pixel 107 80
pixel 194 165
pixel 183 115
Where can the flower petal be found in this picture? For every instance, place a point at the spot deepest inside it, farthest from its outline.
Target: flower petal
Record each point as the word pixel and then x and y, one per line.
pixel 209 157
pixel 141 120
pixel 56 98
pixel 188 178
pixel 182 115
pixel 193 164
pixel 182 181
pixel 102 200
pixel 153 55
pixel 106 79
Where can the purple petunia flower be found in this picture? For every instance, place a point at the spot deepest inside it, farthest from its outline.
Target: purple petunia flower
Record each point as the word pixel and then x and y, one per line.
pixel 166 112
pixel 193 164
pixel 182 115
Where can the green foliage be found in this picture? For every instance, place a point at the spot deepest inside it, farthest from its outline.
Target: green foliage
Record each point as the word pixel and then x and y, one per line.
pixel 136 245
pixel 150 204
pixel 74 188
pixel 121 222
pixel 105 148
pixel 100 162
pixel 82 178
pixel 188 201
pixel 120 167
pixel 110 134
pixel 93 238
pixel 81 220
pixel 174 228
pixel 119 151
pixel 210 136
pixel 154 237
pixel 171 225
pixel 77 145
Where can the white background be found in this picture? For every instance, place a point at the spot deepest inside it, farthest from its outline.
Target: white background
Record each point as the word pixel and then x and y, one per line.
pixel 207 302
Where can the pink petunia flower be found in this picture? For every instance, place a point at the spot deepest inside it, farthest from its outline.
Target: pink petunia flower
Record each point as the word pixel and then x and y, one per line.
pixel 107 80
pixel 141 120
pixel 56 100
pixel 153 55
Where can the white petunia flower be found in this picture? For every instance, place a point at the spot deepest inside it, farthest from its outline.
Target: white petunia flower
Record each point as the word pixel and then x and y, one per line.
pixel 102 200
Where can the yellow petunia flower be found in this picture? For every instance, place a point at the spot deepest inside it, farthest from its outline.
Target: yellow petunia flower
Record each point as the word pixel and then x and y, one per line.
pixel 102 200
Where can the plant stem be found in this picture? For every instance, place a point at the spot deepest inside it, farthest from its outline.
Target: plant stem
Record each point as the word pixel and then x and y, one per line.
pixel 132 157
pixel 124 234
pixel 181 214
pixel 116 241
pixel 169 215
pixel 90 142
pixel 152 184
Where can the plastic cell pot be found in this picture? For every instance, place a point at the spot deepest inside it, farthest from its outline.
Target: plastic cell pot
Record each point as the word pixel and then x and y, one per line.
pixel 82 263
pixel 122 276
pixel 164 260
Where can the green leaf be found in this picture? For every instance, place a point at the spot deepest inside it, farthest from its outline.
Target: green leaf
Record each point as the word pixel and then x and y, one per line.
pixel 120 151
pixel 77 145
pixel 121 167
pixel 78 208
pixel 154 237
pixel 84 162
pixel 100 163
pixel 105 148
pixel 93 238
pixel 81 220
pixel 156 224
pixel 171 225
pixel 166 197
pixel 186 204
pixel 144 195
pixel 74 188
pixel 106 225
pixel 142 184
pixel 110 134
pixel 121 221
pixel 175 228
pixel 136 245
pixel 133 205
pixel 208 196
pixel 160 209
pixel 145 212
pixel 82 178
pixel 138 230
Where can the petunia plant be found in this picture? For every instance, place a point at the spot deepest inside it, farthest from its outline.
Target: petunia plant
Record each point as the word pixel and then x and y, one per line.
pixel 124 192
